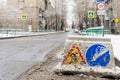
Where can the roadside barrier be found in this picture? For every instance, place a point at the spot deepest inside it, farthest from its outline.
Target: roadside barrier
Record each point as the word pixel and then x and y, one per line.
pixel 95 31
pixel 88 55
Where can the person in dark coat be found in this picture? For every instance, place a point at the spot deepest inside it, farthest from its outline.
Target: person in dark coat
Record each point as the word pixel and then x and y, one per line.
pixel 81 26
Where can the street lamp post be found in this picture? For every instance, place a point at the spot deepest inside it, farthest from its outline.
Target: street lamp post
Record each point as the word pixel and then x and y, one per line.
pixel 56 14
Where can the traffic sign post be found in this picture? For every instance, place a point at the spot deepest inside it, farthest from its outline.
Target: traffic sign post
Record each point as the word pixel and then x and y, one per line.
pixel 101 19
pixel 91 14
pixel 24 17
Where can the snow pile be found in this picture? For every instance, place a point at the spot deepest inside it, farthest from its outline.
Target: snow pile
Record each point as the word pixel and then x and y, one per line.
pixel 8 35
pixel 115 40
pixel 95 71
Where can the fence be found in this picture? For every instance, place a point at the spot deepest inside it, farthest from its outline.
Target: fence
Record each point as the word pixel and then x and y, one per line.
pixel 95 31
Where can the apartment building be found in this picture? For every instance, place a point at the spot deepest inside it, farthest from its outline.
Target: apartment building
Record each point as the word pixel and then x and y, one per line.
pixel 28 7
pixel 41 14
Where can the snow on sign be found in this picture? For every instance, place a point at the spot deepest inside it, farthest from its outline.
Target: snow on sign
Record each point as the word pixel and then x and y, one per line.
pixel 98 55
pixel 101 6
pixel 74 56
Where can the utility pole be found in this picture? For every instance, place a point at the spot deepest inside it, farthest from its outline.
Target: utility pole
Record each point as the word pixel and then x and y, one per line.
pixel 56 10
pixel 30 26
pixel 116 6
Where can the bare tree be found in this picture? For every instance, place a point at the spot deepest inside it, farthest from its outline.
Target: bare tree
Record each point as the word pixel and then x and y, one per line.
pixel 9 17
pixel 55 13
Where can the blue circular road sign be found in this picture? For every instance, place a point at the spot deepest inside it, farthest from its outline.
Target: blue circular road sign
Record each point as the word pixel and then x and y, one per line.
pixel 100 0
pixel 97 55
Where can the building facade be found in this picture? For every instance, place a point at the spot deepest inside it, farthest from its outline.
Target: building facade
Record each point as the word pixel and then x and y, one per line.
pixel 35 10
pixel 28 7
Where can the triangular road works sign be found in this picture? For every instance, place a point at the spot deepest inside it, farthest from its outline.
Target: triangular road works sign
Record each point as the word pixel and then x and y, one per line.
pixel 74 56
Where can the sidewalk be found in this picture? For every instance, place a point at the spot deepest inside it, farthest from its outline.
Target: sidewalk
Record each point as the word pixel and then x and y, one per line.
pixel 25 34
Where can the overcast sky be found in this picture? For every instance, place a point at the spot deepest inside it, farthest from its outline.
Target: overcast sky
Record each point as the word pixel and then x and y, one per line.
pixel 3 1
pixel 70 8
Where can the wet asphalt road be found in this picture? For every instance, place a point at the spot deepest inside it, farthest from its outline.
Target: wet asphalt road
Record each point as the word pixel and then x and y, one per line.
pixel 20 54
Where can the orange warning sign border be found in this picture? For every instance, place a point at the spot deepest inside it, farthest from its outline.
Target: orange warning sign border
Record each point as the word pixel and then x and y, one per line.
pixel 70 52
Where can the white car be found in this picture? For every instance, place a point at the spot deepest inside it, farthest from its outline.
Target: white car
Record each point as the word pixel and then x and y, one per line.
pixel 76 30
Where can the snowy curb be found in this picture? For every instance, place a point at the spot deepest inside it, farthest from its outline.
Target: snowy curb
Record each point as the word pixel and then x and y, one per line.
pixel 60 55
pixel 29 35
pixel 95 71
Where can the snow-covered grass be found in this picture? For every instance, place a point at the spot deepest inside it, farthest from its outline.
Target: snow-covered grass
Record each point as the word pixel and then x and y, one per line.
pixel 23 34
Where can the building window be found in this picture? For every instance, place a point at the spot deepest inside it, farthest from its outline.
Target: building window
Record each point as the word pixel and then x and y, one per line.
pixel 21 4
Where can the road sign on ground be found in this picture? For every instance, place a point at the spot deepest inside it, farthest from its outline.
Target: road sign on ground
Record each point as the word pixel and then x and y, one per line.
pixel 74 56
pixel 24 17
pixel 98 55
pixel 116 20
pixel 91 14
pixel 101 6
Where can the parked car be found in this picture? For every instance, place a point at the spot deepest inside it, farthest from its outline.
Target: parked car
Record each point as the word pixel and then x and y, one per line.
pixel 76 30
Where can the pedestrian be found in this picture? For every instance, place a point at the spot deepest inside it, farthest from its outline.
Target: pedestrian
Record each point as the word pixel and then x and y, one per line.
pixel 81 26
pixel 88 24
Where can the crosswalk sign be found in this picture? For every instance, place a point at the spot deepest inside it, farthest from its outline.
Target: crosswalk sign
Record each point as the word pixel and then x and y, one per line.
pixel 24 17
pixel 91 14
pixel 74 56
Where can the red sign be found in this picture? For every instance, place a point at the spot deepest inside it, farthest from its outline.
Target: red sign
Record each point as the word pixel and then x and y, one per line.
pixel 74 56
pixel 101 6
